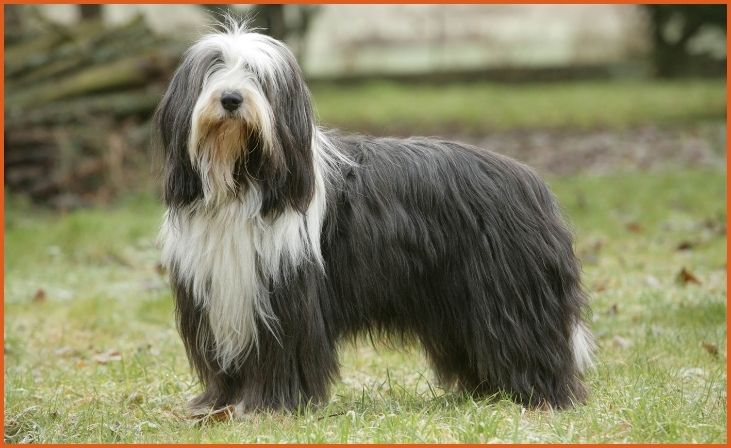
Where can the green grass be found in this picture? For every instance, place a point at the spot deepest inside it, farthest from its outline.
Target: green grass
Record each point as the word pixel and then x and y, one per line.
pixel 653 381
pixel 394 108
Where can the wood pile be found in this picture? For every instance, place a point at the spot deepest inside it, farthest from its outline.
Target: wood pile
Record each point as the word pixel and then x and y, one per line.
pixel 78 101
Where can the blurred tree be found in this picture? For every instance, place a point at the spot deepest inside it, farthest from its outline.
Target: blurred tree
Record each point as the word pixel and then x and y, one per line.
pixel 13 23
pixel 673 27
pixel 90 12
pixel 283 22
pixel 270 19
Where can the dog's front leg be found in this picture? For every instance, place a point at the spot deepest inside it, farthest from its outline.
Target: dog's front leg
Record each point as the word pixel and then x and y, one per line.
pixel 294 364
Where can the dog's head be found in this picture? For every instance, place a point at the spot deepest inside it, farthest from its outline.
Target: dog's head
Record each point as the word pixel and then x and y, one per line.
pixel 237 115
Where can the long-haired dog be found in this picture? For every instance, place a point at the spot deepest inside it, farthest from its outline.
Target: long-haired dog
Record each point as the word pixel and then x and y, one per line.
pixel 281 239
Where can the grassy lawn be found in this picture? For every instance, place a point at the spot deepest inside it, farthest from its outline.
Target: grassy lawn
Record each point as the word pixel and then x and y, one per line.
pixel 91 351
pixel 395 108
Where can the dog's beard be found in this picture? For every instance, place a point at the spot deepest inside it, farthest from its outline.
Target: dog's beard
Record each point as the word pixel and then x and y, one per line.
pixel 230 151
pixel 218 154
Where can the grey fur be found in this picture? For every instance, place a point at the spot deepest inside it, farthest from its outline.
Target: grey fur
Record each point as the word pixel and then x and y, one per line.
pixel 456 247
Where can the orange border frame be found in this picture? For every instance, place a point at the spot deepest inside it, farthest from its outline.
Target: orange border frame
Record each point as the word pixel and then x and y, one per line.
pixel 377 2
pixel 2 184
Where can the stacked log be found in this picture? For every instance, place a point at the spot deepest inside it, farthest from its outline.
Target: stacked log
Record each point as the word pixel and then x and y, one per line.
pixel 78 101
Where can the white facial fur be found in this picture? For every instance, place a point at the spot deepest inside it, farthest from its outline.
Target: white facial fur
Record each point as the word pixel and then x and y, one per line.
pixel 217 136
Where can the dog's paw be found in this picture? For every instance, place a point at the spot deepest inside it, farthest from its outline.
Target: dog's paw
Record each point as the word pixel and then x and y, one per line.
pixel 203 415
pixel 205 406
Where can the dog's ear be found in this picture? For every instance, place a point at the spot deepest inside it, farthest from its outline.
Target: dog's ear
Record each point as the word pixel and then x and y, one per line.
pixel 173 120
pixel 294 124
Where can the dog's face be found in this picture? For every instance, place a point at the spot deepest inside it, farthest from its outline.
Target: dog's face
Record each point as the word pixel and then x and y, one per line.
pixel 236 114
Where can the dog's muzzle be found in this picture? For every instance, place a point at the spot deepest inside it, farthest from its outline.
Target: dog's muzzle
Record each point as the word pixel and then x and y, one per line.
pixel 231 100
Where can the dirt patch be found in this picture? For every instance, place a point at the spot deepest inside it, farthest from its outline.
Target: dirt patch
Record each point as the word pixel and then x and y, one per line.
pixel 569 152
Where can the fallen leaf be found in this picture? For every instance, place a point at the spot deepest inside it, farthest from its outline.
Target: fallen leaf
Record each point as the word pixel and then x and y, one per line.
pixel 119 259
pixel 160 269
pixel 711 348
pixel 601 285
pixel 108 356
pixel 685 276
pixel 633 227
pixel 39 296
pixel 686 245
pixel 716 226
pixel 590 254
pixel 597 246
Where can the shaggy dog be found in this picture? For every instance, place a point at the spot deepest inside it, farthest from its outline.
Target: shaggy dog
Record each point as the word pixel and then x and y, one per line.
pixel 282 238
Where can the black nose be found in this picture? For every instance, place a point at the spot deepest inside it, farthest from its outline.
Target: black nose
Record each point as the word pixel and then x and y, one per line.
pixel 231 100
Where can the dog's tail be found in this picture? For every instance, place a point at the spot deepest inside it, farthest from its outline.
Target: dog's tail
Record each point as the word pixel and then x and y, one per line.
pixel 583 347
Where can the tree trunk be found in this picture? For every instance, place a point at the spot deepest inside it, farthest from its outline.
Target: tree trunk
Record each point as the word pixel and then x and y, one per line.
pixel 90 12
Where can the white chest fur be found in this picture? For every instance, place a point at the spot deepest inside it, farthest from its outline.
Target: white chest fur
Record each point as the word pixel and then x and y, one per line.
pixel 228 254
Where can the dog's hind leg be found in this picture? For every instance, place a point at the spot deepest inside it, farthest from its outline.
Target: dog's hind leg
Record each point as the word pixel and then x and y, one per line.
pixel 534 374
pixel 530 351
pixel 524 338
